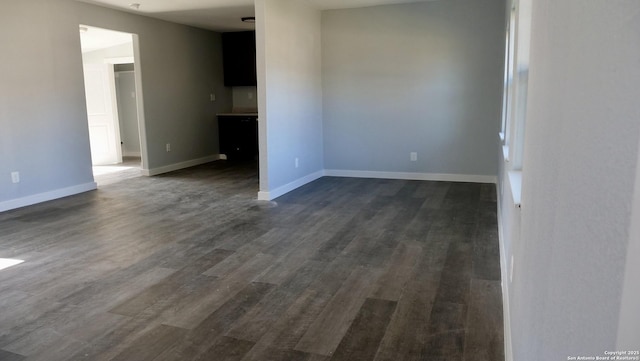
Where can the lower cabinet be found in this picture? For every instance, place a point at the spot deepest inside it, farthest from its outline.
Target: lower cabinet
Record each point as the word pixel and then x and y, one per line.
pixel 238 136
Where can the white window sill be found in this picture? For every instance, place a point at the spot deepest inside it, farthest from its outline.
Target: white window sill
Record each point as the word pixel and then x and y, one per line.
pixel 515 183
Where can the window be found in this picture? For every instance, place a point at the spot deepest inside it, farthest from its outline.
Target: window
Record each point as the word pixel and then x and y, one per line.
pixel 516 82
pixel 508 82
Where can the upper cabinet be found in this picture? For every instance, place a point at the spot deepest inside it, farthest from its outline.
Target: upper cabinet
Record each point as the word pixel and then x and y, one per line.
pixel 239 56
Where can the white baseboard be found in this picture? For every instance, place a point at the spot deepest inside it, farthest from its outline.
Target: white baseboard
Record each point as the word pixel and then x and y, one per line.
pixel 412 176
pixel 273 194
pixel 181 165
pixel 46 196
pixel 270 195
pixel 504 275
pixel 131 154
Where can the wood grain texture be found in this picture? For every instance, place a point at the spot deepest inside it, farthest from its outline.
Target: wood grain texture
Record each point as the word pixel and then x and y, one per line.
pixel 363 337
pixel 324 335
pixel 392 282
pixel 151 344
pixel 206 335
pixel 189 266
pixel 10 356
pixel 408 329
pixel 483 339
pixel 294 323
pixel 226 348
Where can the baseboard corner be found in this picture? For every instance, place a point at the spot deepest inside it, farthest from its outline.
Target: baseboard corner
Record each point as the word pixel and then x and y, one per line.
pixel 282 190
pixel 180 165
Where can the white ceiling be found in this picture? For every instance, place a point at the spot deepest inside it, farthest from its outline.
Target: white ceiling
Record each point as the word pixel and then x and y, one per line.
pixel 220 15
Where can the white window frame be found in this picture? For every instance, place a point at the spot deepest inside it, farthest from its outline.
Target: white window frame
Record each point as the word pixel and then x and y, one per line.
pixel 516 83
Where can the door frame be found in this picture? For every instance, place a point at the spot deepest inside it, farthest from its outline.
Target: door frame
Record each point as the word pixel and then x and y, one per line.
pixel 129 60
pixel 142 130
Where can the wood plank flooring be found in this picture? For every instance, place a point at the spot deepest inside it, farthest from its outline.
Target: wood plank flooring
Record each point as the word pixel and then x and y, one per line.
pixel 108 174
pixel 189 266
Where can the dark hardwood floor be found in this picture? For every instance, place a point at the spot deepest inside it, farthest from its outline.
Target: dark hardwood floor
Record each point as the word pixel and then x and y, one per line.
pixel 189 266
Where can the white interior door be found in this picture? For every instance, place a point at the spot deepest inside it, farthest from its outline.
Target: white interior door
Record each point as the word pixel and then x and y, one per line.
pixel 104 128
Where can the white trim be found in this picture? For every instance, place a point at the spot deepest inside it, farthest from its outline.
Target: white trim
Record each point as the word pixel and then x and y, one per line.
pixel 181 165
pixel 515 183
pixel 131 154
pixel 47 196
pixel 270 195
pixel 273 194
pixel 122 59
pixel 472 178
pixel 629 316
pixel 505 153
pixel 142 127
pixel 506 313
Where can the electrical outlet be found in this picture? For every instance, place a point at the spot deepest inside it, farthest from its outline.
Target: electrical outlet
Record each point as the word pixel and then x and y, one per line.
pixel 212 96
pixel 168 146
pixel 250 95
pixel 296 162
pixel 413 156
pixel 15 177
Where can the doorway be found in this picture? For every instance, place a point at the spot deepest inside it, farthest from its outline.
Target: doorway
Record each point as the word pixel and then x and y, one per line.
pixel 112 89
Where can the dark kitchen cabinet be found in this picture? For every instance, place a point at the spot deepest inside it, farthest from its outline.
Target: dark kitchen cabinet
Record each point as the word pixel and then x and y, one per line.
pixel 239 58
pixel 238 136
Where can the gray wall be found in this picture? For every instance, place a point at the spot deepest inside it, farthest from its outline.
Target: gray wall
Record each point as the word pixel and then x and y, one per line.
pixel 629 320
pixel 180 67
pixel 571 239
pixel 289 92
pixel 42 112
pixel 43 121
pixel 424 77
pixel 127 113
